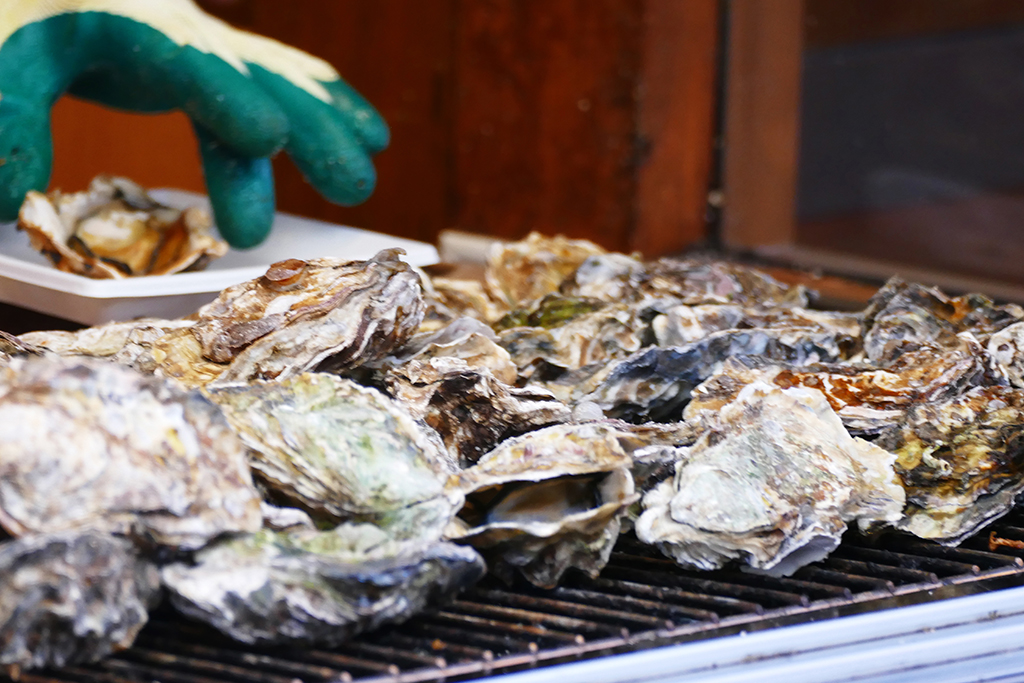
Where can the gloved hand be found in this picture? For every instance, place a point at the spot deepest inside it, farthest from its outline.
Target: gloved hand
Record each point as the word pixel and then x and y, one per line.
pixel 247 97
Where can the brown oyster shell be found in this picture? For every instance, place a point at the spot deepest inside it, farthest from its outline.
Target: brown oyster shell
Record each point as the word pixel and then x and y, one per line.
pixel 546 501
pixel 773 485
pixel 520 272
pixel 116 230
pixel 90 443
pixel 334 448
pixel 71 597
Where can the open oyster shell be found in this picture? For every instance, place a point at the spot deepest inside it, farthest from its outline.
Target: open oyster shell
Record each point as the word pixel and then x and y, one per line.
pixel 71 597
pixel 116 230
pixel 471 409
pixel 313 587
pixel 335 448
pixel 772 485
pixel 961 461
pixel 89 443
pixel 546 501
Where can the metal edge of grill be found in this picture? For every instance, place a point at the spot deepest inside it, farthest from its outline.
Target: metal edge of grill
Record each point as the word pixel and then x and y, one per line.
pixel 640 601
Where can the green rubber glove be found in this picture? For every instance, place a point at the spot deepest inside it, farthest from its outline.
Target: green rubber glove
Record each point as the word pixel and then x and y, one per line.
pixel 247 96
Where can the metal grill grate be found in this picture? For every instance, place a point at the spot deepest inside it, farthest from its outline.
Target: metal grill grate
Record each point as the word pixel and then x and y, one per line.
pixel 640 600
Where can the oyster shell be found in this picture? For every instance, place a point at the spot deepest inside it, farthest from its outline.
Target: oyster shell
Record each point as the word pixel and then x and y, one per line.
pixel 902 316
pixel 546 501
pixel 336 449
pixel 1007 350
pixel 317 587
pixel 449 298
pixel 520 272
pixel 961 461
pixel 772 485
pixel 655 383
pixel 683 324
pixel 695 282
pixel 116 230
pixel 89 443
pixel 471 409
pixel 71 597
pixel 464 338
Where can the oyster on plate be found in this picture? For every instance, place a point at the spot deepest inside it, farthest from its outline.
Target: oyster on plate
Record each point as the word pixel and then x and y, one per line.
pixel 655 383
pixel 773 485
pixel 961 461
pixel 546 501
pixel 116 230
pixel 85 442
pixel 71 597
pixel 902 316
pixel 336 449
pixel 520 272
pixel 471 409
pixel 317 587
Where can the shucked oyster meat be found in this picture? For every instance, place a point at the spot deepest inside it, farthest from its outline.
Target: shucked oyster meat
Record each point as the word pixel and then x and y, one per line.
pixel 335 448
pixel 317 587
pixel 772 485
pixel 116 230
pixel 71 597
pixel 89 443
pixel 546 501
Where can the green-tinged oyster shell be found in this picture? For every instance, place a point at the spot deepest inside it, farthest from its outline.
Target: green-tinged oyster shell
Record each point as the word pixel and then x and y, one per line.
pixel 773 485
pixel 312 587
pixel 546 501
pixel 90 443
pixel 961 461
pixel 333 447
pixel 71 597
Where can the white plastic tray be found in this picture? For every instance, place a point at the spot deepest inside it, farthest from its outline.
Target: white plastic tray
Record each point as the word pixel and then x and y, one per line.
pixel 27 278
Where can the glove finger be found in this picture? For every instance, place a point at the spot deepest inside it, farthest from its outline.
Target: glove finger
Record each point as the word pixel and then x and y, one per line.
pixel 322 144
pixel 365 121
pixel 241 191
pixel 26 152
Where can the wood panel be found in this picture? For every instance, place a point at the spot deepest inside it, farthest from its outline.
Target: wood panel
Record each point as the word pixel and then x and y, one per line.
pixel 762 104
pixel 676 112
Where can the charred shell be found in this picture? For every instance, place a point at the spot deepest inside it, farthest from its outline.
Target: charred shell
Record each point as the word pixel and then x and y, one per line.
pixel 71 597
pixel 89 443
pixel 546 501
pixel 116 230
pixel 772 485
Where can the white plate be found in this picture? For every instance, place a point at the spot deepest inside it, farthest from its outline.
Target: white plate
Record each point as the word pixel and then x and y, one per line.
pixel 27 278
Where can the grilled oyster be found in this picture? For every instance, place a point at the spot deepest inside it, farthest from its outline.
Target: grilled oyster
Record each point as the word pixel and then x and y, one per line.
pixel 655 383
pixel 116 230
pixel 469 407
pixel 71 597
pixel 902 316
pixel 546 501
pixel 317 587
pixel 334 448
pixel 87 442
pixel 520 272
pixel 772 485
pixel 961 461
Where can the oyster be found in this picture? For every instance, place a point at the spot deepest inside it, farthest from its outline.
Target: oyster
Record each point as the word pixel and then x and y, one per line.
pixel 467 339
pixel 684 324
pixel 317 587
pixel 449 298
pixel 695 282
pixel 71 597
pixel 546 501
pixel 901 316
pixel 116 230
pixel 961 461
pixel 471 409
pixel 1007 350
pixel 11 346
pixel 89 443
pixel 655 383
pixel 773 485
pixel 334 448
pixel 519 272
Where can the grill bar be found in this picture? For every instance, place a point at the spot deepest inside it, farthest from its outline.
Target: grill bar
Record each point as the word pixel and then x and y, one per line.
pixel 640 600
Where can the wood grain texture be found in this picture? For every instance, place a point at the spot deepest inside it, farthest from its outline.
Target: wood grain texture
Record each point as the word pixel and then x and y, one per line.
pixel 544 122
pixel 762 104
pixel 676 111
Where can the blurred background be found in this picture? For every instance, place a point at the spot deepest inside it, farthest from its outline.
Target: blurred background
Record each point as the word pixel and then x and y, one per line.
pixel 862 137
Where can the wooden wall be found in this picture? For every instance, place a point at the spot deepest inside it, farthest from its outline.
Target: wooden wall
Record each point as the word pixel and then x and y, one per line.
pixel 592 118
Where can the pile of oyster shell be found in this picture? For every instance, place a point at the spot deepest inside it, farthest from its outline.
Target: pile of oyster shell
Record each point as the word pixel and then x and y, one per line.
pixel 338 445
